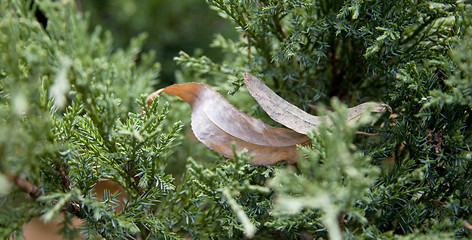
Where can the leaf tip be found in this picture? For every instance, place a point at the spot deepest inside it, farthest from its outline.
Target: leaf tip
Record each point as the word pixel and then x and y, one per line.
pixel 379 107
pixel 152 96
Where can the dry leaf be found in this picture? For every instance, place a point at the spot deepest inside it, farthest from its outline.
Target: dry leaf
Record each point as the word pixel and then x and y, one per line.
pixel 218 124
pixel 291 116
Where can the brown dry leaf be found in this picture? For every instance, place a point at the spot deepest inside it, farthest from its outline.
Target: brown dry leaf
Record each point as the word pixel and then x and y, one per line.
pixel 218 124
pixel 291 116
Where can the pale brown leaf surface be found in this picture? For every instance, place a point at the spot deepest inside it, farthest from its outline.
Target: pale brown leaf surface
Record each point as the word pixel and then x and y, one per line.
pixel 218 124
pixel 291 116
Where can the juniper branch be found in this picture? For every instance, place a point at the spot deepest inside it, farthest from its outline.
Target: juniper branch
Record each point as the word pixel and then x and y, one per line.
pixel 35 192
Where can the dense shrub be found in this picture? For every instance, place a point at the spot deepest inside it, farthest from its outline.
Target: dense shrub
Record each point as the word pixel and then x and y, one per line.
pixel 71 116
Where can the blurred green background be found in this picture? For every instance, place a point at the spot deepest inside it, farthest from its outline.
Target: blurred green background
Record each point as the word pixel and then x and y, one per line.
pixel 172 26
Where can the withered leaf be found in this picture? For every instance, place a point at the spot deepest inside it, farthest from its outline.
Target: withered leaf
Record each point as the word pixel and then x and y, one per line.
pixel 291 116
pixel 218 124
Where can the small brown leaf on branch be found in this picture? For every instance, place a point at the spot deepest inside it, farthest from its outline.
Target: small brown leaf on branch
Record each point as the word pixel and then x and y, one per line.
pixel 291 116
pixel 218 124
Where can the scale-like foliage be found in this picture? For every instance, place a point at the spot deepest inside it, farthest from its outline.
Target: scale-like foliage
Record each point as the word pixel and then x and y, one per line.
pixel 67 123
pixel 73 118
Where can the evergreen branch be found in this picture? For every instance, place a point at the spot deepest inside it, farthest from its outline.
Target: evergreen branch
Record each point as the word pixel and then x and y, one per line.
pixel 249 228
pixel 414 35
pixel 35 192
pixel 238 17
pixel 411 182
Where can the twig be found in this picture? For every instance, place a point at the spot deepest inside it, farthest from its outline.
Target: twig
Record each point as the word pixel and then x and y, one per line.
pixel 367 134
pixel 35 192
pixel 245 35
pixel 278 26
pixel 71 207
pixel 26 186
pixel 63 175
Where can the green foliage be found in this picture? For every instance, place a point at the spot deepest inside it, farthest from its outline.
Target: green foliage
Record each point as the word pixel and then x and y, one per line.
pixel 70 119
pixel 73 114
pixel 332 177
pixel 413 56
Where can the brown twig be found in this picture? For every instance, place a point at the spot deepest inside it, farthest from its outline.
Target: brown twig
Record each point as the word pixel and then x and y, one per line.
pixel 63 175
pixel 71 207
pixel 26 186
pixel 35 192
pixel 367 134
pixel 245 35
pixel 341 220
